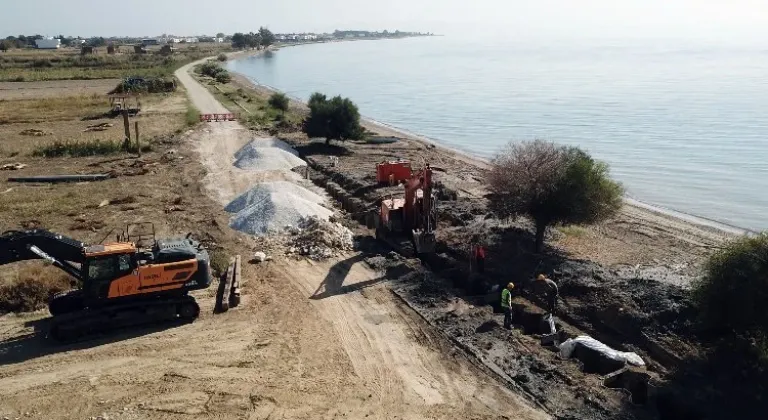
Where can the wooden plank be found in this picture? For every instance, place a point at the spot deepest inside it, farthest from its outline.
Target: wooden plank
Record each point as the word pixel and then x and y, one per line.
pixel 225 288
pixel 234 297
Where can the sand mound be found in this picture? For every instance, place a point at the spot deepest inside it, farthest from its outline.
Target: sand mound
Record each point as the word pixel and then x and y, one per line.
pixel 267 155
pixel 270 207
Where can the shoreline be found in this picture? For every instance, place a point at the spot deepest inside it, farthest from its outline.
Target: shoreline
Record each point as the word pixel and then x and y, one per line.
pixel 654 213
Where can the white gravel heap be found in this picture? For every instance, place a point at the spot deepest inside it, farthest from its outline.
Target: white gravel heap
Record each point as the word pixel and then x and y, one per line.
pixel 320 239
pixel 267 154
pixel 271 207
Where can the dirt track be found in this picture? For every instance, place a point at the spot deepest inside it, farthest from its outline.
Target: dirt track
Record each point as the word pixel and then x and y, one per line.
pixel 310 340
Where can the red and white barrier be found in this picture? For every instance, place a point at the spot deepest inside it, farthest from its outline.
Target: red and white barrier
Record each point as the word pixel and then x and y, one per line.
pixel 217 117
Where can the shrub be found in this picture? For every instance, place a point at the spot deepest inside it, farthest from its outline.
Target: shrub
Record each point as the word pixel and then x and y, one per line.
pixel 219 261
pixel 41 63
pixel 733 292
pixel 32 290
pixel 145 85
pixel 193 115
pixel 279 102
pixel 551 184
pixel 222 57
pixel 223 77
pixel 78 148
pixel 211 69
pixel 334 119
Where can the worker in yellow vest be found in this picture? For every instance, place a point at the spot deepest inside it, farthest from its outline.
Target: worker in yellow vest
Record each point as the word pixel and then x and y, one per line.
pixel 506 305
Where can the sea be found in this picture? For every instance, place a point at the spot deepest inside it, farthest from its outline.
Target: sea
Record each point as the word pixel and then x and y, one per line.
pixel 683 126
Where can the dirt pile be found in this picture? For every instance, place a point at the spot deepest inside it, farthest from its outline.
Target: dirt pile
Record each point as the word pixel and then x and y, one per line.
pixel 267 155
pixel 271 207
pixel 319 239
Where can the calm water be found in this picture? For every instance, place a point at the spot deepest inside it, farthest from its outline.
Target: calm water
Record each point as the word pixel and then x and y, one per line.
pixel 682 127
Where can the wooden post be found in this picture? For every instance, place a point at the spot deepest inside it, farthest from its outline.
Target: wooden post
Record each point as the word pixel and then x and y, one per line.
pixel 136 132
pixel 127 124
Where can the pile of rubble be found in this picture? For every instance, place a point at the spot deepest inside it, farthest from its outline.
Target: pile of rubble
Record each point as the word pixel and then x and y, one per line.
pixel 319 239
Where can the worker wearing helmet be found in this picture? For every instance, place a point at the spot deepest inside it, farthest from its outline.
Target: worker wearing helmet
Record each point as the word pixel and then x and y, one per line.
pixel 546 288
pixel 506 305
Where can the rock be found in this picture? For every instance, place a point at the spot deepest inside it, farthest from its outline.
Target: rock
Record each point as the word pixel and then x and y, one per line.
pixel 259 257
pixel 104 203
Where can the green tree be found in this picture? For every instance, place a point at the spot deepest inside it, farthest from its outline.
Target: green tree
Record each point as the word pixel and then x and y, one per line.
pixel 5 45
pixel 267 37
pixel 279 102
pixel 334 119
pixel 253 40
pixel 239 40
pixel 220 35
pixel 97 42
pixel 551 184
pixel 733 292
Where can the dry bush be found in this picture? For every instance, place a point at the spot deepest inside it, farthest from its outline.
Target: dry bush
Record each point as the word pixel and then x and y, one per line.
pixel 32 288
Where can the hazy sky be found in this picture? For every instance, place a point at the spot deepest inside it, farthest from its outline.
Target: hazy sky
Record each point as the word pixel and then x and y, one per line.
pixel 740 20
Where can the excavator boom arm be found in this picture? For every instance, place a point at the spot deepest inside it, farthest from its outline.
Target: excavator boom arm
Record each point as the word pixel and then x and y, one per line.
pixel 61 251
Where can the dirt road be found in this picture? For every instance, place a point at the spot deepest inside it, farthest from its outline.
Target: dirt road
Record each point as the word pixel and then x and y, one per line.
pixel 391 350
pixel 310 340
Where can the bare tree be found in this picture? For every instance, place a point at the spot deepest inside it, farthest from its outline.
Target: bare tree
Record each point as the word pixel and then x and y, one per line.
pixel 551 184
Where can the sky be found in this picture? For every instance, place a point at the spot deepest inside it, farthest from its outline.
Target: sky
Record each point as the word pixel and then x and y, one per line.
pixel 741 21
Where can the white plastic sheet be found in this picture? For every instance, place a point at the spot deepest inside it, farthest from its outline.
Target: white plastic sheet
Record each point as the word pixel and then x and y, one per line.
pixel 567 348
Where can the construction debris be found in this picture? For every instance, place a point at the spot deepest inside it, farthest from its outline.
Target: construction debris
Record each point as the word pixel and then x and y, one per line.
pixel 259 257
pixel 12 166
pixel 35 132
pixel 61 178
pixel 319 239
pixel 98 127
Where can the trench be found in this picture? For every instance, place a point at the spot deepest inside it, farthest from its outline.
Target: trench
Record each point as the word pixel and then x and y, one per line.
pixel 634 384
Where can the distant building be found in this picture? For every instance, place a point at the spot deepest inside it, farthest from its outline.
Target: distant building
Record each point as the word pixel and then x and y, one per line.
pixel 48 43
pixel 147 42
pixel 219 40
pixel 191 40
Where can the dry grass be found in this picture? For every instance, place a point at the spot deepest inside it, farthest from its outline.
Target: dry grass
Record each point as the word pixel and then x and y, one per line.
pixel 30 286
pixel 67 64
pixel 56 88
pixel 151 127
pixel 52 109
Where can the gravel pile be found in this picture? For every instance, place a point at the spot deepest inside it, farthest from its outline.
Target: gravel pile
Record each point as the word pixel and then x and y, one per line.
pixel 267 155
pixel 271 207
pixel 319 239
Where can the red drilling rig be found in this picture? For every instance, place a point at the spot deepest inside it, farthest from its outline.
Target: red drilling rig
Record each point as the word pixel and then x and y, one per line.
pixel 413 216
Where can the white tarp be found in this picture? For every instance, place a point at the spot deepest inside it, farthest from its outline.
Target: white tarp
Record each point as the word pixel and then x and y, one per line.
pixel 567 348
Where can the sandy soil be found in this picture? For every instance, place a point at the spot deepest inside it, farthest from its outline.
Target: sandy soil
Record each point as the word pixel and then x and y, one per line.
pixel 310 340
pixel 56 88
pixel 385 343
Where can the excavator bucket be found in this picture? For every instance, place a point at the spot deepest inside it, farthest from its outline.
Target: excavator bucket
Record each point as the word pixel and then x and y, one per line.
pixel 425 243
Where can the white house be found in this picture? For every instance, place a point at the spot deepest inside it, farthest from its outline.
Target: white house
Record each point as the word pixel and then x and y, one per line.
pixel 48 43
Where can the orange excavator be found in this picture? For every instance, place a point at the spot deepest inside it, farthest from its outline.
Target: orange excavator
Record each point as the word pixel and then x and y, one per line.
pixel 121 284
pixel 413 216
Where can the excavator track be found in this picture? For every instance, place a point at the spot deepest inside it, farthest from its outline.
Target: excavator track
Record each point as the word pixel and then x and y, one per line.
pixel 78 325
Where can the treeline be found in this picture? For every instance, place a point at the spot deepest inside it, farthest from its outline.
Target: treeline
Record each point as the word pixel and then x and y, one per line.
pixel 261 39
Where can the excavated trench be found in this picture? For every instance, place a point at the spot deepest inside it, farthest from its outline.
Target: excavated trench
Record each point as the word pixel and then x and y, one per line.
pixel 355 197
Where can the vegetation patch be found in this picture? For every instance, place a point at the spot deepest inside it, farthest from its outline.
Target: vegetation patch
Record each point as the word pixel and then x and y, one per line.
pixel 32 289
pixel 78 148
pixel 334 119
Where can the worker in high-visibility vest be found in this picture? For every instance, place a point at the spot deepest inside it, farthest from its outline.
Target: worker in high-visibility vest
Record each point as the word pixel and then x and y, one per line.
pixel 506 305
